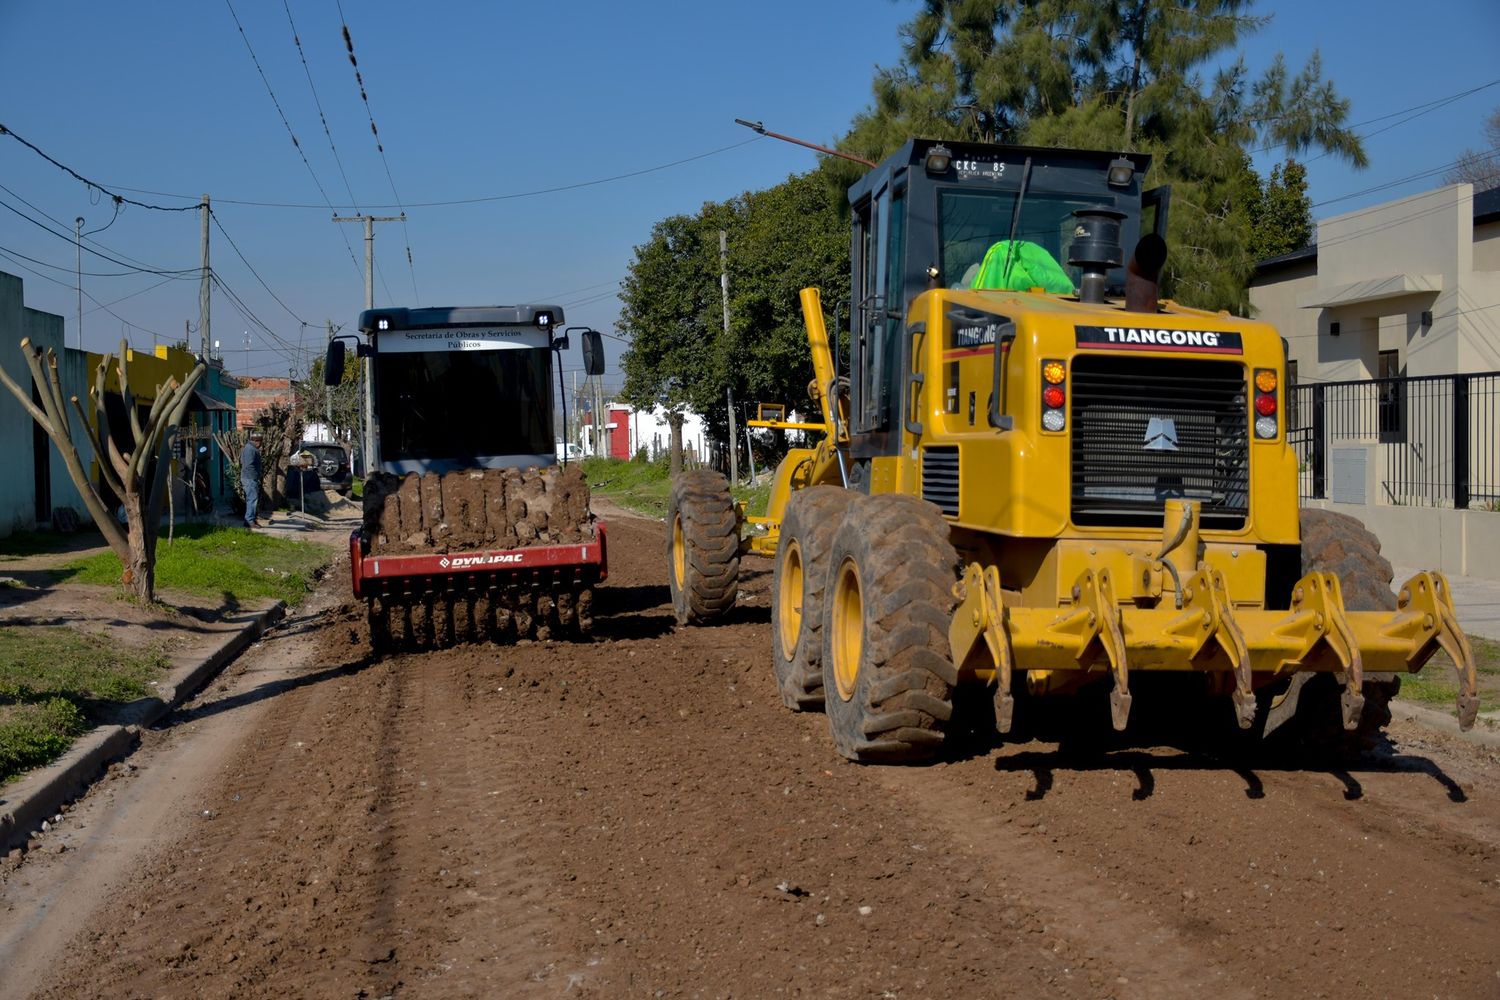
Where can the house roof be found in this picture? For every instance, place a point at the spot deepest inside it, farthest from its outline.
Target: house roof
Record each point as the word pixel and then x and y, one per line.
pixel 1486 209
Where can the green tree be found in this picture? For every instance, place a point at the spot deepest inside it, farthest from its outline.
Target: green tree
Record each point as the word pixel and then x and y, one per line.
pixel 1107 75
pixel 780 240
pixel 1281 214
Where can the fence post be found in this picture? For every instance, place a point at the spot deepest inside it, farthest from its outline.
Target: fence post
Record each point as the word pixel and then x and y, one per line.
pixel 1319 433
pixel 1460 442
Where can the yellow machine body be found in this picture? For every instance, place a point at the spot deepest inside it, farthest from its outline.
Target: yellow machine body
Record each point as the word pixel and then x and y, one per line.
pixel 1046 427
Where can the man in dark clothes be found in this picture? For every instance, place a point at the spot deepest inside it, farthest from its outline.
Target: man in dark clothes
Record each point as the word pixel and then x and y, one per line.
pixel 250 471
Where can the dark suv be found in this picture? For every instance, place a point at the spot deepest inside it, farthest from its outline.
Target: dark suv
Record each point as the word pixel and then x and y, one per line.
pixel 332 464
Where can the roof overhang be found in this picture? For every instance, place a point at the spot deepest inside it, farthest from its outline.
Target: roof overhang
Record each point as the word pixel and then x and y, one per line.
pixel 203 401
pixel 1373 290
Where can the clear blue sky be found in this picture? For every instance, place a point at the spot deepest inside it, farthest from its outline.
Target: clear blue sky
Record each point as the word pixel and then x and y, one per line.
pixel 481 100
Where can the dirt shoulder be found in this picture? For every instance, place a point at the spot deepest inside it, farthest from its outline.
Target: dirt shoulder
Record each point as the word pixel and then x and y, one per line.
pixel 640 816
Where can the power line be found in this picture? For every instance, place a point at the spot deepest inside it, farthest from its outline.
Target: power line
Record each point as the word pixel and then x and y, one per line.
pixel 478 200
pixel 118 198
pixel 380 146
pixel 234 246
pixel 118 253
pixel 120 263
pixel 97 304
pixel 327 202
pixel 319 104
pixel 1415 111
pixel 87 274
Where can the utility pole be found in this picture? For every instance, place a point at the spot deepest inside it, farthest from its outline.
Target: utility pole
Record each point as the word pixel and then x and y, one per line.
pixel 369 221
pixel 367 418
pixel 328 390
pixel 78 245
pixel 203 281
pixel 734 450
pixel 734 447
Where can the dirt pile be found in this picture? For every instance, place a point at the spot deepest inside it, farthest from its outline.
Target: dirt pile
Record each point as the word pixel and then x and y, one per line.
pixel 477 509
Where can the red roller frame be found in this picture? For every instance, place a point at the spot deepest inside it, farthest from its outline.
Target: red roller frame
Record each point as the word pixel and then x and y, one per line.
pixel 457 564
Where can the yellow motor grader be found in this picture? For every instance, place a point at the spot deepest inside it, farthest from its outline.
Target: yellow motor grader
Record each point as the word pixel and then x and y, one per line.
pixel 1035 475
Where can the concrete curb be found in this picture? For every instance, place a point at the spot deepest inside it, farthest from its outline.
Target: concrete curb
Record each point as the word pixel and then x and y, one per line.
pixel 1484 731
pixel 38 795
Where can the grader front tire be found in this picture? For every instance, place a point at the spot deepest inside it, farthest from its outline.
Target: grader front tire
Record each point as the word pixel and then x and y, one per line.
pixel 797 591
pixel 703 547
pixel 888 674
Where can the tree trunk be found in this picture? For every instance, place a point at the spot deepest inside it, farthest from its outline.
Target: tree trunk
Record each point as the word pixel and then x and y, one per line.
pixel 139 572
pixel 674 420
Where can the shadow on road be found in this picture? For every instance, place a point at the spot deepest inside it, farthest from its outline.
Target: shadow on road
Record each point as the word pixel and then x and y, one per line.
pixel 1168 731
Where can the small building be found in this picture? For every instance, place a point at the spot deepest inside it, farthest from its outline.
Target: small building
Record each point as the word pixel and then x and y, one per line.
pixel 1392 324
pixel 36 482
pixel 257 394
pixel 626 431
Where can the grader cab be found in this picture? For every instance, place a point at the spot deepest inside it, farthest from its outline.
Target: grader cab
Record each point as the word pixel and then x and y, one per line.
pixel 1035 475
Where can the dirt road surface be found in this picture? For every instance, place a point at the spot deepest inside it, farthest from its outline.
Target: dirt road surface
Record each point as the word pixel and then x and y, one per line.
pixel 639 816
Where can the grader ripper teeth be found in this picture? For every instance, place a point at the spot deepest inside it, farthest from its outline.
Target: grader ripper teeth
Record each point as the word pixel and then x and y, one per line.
pixel 1206 634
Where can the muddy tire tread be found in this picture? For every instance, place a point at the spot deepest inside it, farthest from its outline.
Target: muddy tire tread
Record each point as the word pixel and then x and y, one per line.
pixel 903 693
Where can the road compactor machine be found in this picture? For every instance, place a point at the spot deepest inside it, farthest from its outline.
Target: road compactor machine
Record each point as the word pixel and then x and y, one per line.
pixel 1037 477
pixel 471 530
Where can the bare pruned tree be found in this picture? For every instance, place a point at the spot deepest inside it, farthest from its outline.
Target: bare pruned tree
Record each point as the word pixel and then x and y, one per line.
pixel 1480 167
pixel 137 474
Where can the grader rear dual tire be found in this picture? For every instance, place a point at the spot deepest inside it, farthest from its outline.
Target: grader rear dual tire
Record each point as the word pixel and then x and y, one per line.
pixel 888 674
pixel 1342 545
pixel 703 547
pixel 812 517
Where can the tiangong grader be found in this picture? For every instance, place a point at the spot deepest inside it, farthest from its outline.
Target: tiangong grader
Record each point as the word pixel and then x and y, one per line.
pixel 1038 477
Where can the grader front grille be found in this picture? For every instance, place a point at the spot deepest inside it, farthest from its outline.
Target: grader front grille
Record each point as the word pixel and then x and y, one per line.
pixel 1146 430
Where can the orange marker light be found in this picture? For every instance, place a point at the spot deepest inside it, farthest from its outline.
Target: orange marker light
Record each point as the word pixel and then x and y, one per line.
pixel 1054 372
pixel 1265 380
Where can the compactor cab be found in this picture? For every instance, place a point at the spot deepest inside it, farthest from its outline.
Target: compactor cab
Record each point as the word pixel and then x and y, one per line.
pixel 470 531
pixel 1034 473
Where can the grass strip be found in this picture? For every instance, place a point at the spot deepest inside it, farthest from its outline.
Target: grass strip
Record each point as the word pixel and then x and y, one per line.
pixel 57 683
pixel 1437 684
pixel 646 487
pixel 232 564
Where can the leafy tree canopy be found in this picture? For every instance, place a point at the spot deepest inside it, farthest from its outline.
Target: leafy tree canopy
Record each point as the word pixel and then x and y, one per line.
pixel 780 240
pixel 1117 74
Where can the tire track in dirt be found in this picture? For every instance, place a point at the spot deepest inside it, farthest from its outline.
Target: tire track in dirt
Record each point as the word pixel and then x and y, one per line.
pixel 640 816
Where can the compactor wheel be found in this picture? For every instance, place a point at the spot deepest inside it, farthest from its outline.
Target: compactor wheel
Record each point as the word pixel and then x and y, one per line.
pixel 703 547
pixel 1340 544
pixel 812 517
pixel 888 674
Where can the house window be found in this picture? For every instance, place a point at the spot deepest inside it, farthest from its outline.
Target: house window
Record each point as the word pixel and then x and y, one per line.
pixel 1391 390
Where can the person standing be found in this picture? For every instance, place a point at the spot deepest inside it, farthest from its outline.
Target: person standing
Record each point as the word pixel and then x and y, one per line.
pixel 250 473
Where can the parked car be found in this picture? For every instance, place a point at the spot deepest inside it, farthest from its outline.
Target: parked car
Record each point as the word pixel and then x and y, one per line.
pixel 332 464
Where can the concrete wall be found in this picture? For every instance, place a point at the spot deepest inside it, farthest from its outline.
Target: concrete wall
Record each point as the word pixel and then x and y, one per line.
pixel 1460 542
pixel 18 456
pixel 256 394
pixel 1487 247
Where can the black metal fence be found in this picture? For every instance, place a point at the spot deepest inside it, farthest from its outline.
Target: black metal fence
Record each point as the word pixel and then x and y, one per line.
pixel 1436 438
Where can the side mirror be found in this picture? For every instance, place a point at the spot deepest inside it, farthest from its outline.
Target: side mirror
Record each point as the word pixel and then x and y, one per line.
pixel 593 352
pixel 333 366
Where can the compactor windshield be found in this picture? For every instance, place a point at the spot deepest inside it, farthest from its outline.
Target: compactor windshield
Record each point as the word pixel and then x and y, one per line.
pixel 464 408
